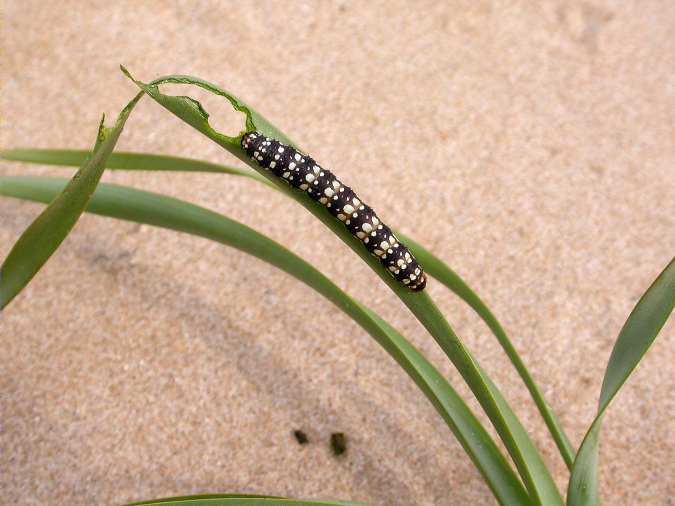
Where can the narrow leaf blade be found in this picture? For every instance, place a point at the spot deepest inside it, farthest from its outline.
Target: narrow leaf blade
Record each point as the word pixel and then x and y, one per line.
pixel 439 270
pixel 44 235
pixel 240 500
pixel 635 338
pixel 122 160
pixel 638 333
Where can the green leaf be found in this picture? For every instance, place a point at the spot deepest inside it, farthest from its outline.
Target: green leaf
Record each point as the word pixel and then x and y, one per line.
pixel 240 500
pixel 192 112
pixel 536 476
pixel 433 266
pixel 635 338
pixel 436 268
pixel 158 210
pixel 638 333
pixel 50 228
pixel 518 443
pixel 123 160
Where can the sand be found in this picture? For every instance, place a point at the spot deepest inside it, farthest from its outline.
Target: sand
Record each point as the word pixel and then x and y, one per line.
pixel 531 145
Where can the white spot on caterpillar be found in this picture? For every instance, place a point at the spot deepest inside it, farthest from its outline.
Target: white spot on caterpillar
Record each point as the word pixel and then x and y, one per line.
pixel 309 178
pixel 273 164
pixel 341 217
pixel 360 235
pixel 348 209
pixel 367 227
pixel 329 192
pixel 303 186
pixel 297 157
pixel 323 200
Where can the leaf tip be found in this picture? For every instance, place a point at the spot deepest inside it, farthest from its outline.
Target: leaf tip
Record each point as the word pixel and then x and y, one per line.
pixel 102 130
pixel 126 72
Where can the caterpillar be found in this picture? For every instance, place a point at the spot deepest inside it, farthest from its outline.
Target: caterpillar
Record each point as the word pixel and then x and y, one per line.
pixel 302 172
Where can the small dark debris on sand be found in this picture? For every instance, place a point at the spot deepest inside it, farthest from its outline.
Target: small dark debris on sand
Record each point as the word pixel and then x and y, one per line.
pixel 338 443
pixel 300 437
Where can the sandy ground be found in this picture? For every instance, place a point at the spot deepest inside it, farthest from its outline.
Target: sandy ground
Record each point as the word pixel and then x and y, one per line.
pixel 529 144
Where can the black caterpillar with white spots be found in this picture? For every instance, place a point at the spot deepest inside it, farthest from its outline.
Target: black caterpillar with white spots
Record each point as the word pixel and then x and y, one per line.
pixel 302 172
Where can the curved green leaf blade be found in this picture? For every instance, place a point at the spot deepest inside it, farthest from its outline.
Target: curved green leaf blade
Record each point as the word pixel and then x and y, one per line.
pixel 635 338
pixel 516 439
pixel 536 476
pixel 178 499
pixel 439 270
pixel 50 228
pixel 123 160
pixel 158 210
pixel 638 333
pixel 241 500
pixel 433 266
